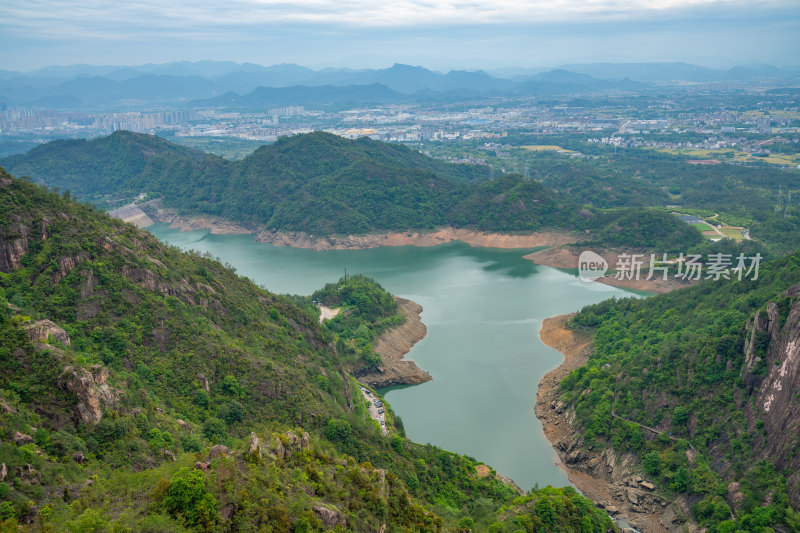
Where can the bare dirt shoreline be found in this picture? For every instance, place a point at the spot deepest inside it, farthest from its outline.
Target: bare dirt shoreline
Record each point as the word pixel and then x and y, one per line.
pixel 296 239
pixel 556 422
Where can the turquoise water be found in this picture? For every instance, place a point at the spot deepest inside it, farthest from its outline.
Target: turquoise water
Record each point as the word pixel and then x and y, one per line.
pixel 483 308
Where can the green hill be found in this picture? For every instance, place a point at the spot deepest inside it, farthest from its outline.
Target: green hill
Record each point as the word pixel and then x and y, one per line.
pixel 147 389
pixel 714 368
pixel 122 164
pixel 317 183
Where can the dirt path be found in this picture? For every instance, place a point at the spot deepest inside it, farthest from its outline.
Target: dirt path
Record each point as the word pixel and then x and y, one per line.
pixel 326 313
pixel 652 430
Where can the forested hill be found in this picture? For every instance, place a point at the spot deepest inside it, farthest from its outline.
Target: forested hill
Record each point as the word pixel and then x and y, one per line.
pixel 715 368
pixel 121 163
pixel 147 389
pixel 316 183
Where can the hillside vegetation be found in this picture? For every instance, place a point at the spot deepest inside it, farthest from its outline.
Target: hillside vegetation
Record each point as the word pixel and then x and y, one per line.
pixel 715 369
pixel 147 389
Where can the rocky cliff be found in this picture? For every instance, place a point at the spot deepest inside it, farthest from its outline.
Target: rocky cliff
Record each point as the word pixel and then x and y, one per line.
pixel 772 376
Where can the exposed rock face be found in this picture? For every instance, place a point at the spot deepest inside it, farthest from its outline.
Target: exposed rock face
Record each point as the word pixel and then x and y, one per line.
pixel 774 335
pixel 42 330
pixel 91 389
pixel 330 518
pixel 393 345
pixel 7 408
pixel 21 438
pixel 218 451
pixel 254 448
pixel 13 246
pixel 285 445
pixel 66 265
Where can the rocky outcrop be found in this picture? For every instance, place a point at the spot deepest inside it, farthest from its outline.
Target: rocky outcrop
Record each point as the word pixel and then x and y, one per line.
pixel 41 331
pixel 254 447
pixel 7 408
pixel 772 376
pixel 287 444
pixel 13 246
pixel 22 438
pixel 67 264
pixel 393 345
pixel 218 450
pixel 93 393
pixel 330 517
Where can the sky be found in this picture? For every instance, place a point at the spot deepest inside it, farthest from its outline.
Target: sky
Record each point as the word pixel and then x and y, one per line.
pixel 437 34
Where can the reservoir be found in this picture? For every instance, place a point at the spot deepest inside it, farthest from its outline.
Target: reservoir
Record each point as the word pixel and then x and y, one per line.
pixel 483 308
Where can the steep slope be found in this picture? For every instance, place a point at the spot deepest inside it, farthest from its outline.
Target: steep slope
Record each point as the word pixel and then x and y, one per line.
pixel 147 389
pixel 697 390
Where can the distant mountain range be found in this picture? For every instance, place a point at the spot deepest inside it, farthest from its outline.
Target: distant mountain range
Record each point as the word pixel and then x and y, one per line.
pixel 225 83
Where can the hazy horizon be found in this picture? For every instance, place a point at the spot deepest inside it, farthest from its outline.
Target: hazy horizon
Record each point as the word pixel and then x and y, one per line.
pixel 439 35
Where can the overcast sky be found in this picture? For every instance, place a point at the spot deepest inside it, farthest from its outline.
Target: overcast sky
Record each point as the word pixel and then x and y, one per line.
pixel 376 33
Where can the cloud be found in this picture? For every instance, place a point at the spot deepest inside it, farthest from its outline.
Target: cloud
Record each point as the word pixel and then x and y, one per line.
pixel 110 19
pixel 324 32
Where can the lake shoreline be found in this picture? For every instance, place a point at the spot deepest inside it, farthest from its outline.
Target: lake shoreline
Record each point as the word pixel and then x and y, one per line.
pixel 393 345
pixel 298 239
pixel 557 422
pixel 554 254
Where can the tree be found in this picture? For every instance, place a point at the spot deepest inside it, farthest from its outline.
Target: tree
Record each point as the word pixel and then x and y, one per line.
pixel 214 429
pixel 232 412
pixel 338 430
pixel 187 499
pixel 681 481
pixel 545 511
pixel 651 463
pixel 680 416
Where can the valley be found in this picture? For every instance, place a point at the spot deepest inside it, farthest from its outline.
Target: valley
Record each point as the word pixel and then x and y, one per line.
pixel 227 351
